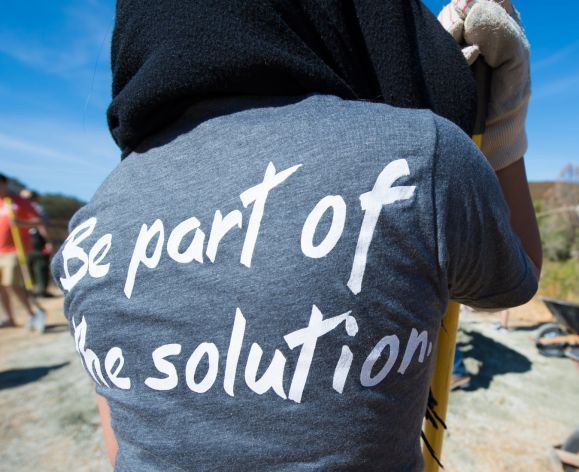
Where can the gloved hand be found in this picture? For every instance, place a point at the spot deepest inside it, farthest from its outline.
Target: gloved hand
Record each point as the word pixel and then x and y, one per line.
pixel 495 32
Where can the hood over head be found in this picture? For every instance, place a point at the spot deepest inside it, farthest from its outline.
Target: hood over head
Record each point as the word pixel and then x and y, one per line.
pixel 169 54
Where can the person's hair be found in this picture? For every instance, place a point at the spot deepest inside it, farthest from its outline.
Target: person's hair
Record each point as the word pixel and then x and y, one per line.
pixel 3 179
pixel 25 193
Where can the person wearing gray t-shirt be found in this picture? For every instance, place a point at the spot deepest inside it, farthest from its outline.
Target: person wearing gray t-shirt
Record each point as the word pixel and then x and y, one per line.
pixel 260 282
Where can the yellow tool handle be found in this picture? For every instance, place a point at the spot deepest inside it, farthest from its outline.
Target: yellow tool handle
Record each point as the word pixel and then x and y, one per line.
pixel 440 386
pixel 20 252
pixel 442 375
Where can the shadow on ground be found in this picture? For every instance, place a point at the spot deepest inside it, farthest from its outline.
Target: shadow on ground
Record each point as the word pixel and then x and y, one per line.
pixel 494 358
pixel 17 377
pixel 533 327
pixel 56 328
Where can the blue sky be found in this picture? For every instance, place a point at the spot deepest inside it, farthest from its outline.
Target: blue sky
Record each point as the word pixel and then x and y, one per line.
pixel 55 88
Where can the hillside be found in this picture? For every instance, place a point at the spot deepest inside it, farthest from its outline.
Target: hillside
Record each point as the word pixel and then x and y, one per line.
pixel 542 190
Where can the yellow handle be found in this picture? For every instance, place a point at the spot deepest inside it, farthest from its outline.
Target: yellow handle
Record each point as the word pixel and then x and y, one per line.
pixel 20 252
pixel 478 138
pixel 440 386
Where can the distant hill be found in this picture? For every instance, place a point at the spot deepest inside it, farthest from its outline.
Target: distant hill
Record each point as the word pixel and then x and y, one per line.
pixel 542 190
pixel 59 209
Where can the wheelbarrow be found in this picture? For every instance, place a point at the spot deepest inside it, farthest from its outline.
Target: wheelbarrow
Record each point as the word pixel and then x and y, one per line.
pixel 560 339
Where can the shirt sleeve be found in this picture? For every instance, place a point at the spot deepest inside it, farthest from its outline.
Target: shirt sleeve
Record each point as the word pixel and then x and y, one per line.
pixel 484 261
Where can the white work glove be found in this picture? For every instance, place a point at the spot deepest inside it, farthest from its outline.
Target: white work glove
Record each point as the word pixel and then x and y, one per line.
pixel 494 31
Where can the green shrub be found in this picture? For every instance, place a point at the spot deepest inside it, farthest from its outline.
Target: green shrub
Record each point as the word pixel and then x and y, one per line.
pixel 560 280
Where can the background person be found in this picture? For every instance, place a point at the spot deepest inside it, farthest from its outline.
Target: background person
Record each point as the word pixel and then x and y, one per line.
pixel 40 248
pixel 11 278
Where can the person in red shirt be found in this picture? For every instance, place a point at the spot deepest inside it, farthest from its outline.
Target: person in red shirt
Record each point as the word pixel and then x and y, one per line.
pixel 10 278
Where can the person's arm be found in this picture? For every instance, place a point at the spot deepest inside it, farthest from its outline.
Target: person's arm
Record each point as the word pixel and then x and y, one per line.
pixel 28 217
pixel 494 30
pixel 37 223
pixel 108 433
pixel 40 226
pixel 481 250
pixel 513 182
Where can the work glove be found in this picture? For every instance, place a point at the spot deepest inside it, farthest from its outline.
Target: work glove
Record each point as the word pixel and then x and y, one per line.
pixel 483 27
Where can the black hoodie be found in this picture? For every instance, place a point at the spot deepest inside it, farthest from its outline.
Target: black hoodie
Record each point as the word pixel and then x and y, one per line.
pixel 170 54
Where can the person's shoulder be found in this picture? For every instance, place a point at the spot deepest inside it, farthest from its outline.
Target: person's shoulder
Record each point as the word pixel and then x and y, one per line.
pixel 456 154
pixel 373 123
pixel 365 111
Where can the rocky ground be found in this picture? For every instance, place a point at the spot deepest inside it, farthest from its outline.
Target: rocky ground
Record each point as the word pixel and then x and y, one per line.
pixel 517 406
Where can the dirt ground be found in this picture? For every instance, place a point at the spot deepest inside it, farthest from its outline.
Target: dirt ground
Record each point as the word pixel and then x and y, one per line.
pixel 517 406
pixel 519 403
pixel 48 417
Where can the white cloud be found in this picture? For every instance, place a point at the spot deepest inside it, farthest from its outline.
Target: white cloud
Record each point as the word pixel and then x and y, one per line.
pixel 80 46
pixel 555 57
pixel 550 88
pixel 10 143
pixel 55 155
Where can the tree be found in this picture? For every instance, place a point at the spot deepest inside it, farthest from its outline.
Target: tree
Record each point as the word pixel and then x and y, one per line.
pixel 60 207
pixel 559 217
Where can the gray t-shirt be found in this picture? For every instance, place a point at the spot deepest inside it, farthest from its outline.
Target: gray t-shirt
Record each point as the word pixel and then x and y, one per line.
pixel 261 286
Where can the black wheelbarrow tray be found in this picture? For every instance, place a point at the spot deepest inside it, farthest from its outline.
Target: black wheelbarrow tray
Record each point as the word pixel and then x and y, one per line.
pixel 562 338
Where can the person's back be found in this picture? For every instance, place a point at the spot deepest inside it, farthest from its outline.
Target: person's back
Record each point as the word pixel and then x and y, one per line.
pixel 260 286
